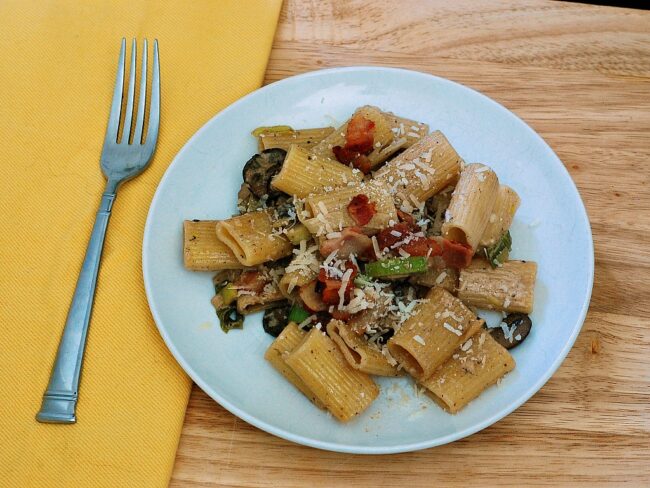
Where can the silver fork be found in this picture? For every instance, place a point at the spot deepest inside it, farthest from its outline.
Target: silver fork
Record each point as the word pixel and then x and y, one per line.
pixel 122 158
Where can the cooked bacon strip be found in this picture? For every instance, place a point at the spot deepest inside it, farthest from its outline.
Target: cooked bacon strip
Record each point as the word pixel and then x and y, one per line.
pixel 422 246
pixel 391 235
pixel 360 135
pixel 361 209
pixel 352 241
pixel 358 160
pixel 359 141
pixel 252 281
pixel 455 254
pixel 407 219
pixel 332 286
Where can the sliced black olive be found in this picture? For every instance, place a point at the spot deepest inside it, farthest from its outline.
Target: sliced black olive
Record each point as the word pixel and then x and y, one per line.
pixel 519 325
pixel 261 168
pixel 275 320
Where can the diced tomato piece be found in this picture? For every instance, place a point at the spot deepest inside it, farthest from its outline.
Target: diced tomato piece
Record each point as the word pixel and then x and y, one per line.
pixel 406 218
pixel 456 254
pixel 361 209
pixel 344 155
pixel 421 246
pixel 362 163
pixel 386 238
pixel 331 292
pixel 360 134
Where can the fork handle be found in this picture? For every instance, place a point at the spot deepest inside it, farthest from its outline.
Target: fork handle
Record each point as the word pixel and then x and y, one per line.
pixel 60 398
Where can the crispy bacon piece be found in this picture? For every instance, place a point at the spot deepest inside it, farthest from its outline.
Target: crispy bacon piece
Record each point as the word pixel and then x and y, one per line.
pixel 343 155
pixel 340 315
pixel 360 135
pixel 420 246
pixel 359 141
pixel 407 219
pixel 362 163
pixel 358 160
pixel 333 285
pixel 252 281
pixel 352 241
pixel 361 209
pixel 386 238
pixel 456 254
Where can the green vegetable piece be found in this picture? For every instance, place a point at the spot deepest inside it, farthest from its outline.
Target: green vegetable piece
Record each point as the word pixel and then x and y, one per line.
pixel 228 294
pixel 273 128
pixel 298 314
pixel 497 253
pixel 362 281
pixel 396 267
pixel 298 233
pixel 230 318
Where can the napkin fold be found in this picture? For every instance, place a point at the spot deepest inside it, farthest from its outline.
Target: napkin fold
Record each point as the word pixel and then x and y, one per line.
pixel 57 70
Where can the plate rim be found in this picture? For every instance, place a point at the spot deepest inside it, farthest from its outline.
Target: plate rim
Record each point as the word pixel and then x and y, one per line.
pixel 349 448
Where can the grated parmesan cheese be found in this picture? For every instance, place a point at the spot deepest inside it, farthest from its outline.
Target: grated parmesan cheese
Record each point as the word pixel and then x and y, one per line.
pixel 451 329
pixel 419 340
pixel 441 277
pixel 465 347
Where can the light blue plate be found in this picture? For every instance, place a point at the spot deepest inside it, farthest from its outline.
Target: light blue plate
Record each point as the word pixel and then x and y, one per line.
pixel 551 228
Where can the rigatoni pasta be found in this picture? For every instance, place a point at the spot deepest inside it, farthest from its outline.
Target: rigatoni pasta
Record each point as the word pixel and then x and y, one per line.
pixel 421 171
pixel 280 349
pixel 319 363
pixel 303 174
pixel 328 212
pixel 251 238
pixel 509 287
pixel 505 206
pixel 358 352
pixel 202 251
pixel 436 329
pixel 373 250
pixel 285 138
pixel 475 366
pixel 471 205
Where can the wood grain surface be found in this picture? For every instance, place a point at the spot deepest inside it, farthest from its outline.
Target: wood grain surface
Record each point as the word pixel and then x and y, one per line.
pixel 580 76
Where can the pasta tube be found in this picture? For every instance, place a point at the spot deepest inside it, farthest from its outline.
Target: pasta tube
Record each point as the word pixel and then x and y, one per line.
pixel 477 365
pixel 507 288
pixel 284 139
pixel 358 353
pixel 503 212
pixel 251 238
pixel 319 363
pixel 430 336
pixel 328 212
pixel 203 251
pixel 279 349
pixel 303 174
pixel 421 171
pixel 471 205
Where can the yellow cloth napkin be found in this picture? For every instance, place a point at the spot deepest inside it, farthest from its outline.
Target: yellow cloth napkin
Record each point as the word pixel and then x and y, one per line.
pixel 57 68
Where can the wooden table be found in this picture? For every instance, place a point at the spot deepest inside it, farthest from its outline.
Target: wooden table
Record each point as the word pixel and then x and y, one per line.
pixel 580 76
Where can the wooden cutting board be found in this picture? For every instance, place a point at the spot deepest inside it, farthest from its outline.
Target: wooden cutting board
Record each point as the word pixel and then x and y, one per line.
pixel 580 76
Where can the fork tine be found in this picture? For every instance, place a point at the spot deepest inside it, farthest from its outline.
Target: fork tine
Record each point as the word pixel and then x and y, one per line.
pixel 139 120
pixel 116 107
pixel 126 129
pixel 154 105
